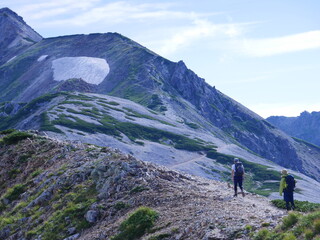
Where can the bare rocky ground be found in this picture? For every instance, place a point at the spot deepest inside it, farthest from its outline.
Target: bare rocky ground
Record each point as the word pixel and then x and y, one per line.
pixel 195 208
pixel 189 207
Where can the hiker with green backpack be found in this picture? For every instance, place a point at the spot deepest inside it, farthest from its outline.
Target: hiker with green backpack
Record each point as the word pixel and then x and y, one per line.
pixel 287 185
pixel 237 174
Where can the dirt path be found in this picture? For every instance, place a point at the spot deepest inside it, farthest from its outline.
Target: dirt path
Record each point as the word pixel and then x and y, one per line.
pixel 188 161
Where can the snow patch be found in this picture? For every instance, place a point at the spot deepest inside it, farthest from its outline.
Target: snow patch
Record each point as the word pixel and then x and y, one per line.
pixel 92 70
pixel 43 57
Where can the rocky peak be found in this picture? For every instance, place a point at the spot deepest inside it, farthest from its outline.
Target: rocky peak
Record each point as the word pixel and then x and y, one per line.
pixel 15 36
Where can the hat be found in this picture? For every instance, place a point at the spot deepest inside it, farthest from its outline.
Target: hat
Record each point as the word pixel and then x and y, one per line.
pixel 236 159
pixel 284 172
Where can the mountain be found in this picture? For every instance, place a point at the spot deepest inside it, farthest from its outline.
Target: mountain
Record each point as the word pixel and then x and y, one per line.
pixel 305 127
pixel 16 36
pixel 108 90
pixel 58 190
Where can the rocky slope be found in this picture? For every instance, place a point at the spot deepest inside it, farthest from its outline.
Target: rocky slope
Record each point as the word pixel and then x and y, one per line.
pixel 152 137
pixel 16 36
pixel 63 190
pixel 305 127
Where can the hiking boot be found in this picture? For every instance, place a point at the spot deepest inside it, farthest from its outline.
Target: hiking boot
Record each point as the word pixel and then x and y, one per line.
pixel 243 194
pixel 235 195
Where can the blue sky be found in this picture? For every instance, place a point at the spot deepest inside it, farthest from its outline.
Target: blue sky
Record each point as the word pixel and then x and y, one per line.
pixel 263 53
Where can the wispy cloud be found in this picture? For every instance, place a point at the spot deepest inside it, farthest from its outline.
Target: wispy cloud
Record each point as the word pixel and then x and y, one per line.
pixel 177 29
pixel 45 9
pixel 200 29
pixel 280 45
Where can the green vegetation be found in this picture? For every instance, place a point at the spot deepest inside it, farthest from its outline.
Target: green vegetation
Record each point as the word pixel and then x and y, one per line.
pixel 93 112
pixel 13 173
pixel 46 125
pixel 108 102
pixel 7 131
pixel 305 143
pixel 79 124
pixel 160 236
pixel 137 224
pixel 294 226
pixel 250 125
pixel 156 103
pixel 113 127
pixel 121 205
pixel 138 189
pixel 27 110
pixel 301 206
pixel 72 205
pixel 36 173
pixel 14 192
pixel 132 113
pixel 78 103
pixel 192 125
pixel 14 137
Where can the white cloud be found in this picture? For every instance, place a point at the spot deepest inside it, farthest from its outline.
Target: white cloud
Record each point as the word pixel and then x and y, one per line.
pixel 84 13
pixel 280 45
pixel 199 30
pixel 44 9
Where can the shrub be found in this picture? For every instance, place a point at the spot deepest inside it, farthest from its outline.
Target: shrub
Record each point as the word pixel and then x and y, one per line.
pixel 290 220
pixel 160 236
pixel 15 137
pixel 308 234
pixel 121 205
pixel 289 236
pixel 14 192
pixel 316 225
pixel 300 206
pixel 263 234
pixel 136 224
pixel 7 131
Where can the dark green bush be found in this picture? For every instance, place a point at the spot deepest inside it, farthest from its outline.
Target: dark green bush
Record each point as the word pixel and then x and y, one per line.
pixel 290 220
pixel 15 137
pixel 14 192
pixel 7 131
pixel 300 206
pixel 136 225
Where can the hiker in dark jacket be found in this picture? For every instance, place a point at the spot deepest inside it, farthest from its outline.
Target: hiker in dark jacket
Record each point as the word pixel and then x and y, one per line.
pixel 237 175
pixel 287 190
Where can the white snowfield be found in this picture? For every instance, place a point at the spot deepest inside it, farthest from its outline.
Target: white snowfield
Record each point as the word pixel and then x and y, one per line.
pixel 43 57
pixel 92 70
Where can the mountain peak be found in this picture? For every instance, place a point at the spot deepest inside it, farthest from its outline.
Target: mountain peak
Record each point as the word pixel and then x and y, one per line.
pixel 15 36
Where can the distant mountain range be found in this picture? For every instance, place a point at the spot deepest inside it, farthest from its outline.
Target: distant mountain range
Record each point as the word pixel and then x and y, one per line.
pixel 108 90
pixel 305 127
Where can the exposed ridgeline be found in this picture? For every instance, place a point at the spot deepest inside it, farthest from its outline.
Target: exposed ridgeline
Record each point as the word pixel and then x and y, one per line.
pixel 57 189
pixel 305 127
pixel 121 67
pixel 16 35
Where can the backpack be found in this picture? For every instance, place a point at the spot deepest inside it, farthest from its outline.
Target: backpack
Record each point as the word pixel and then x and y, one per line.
pixel 239 170
pixel 290 183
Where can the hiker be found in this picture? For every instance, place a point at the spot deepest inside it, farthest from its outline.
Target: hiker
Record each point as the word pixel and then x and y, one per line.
pixel 287 185
pixel 237 174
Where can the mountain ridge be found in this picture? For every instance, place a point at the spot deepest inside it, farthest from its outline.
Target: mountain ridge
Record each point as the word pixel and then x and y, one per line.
pixel 305 126
pixel 16 36
pixel 169 88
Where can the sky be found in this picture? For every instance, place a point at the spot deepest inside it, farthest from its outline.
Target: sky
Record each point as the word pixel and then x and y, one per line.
pixel 264 54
